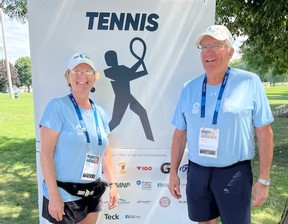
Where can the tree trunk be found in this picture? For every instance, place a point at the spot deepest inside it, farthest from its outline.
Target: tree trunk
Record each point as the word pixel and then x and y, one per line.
pixel 284 218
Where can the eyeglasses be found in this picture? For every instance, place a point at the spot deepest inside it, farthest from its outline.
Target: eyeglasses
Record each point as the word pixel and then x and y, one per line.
pixel 78 72
pixel 214 47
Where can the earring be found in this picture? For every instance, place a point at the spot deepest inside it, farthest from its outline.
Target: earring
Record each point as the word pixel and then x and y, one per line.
pixel 92 90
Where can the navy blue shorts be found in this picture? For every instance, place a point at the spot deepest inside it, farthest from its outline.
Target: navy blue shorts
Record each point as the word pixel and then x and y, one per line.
pixel 75 211
pixel 225 192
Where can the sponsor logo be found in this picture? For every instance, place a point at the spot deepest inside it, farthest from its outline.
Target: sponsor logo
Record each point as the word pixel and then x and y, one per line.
pixel 184 168
pixel 145 185
pixel 123 185
pixel 123 201
pixel 165 168
pixel 162 185
pixel 132 216
pixel 182 202
pixel 111 217
pixel 164 202
pixel 144 202
pixel 122 166
pixel 145 168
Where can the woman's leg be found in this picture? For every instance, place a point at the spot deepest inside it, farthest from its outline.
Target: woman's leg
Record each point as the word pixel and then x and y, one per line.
pixel 91 218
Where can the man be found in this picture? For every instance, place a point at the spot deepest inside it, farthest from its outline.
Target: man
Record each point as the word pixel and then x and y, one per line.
pixel 218 114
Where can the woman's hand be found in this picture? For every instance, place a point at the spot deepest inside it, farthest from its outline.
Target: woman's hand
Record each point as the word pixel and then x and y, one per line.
pixel 113 196
pixel 56 208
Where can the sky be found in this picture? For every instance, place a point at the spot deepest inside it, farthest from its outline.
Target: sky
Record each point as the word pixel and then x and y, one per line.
pixel 16 38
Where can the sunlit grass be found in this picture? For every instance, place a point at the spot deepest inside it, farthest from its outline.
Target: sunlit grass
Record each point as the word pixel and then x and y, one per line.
pixel 277 95
pixel 271 211
pixel 18 182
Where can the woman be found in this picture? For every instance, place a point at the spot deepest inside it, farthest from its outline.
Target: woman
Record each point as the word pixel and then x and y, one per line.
pixel 74 151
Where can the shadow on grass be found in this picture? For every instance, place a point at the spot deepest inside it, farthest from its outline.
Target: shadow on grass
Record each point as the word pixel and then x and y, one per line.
pixel 18 181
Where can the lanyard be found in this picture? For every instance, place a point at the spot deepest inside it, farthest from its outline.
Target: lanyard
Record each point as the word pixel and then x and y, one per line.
pixel 83 126
pixel 203 99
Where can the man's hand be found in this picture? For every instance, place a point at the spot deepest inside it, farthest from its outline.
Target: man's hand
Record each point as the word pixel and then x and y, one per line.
pixel 260 194
pixel 174 186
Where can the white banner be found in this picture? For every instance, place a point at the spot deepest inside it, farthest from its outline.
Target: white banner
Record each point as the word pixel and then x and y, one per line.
pixel 142 180
pixel 152 42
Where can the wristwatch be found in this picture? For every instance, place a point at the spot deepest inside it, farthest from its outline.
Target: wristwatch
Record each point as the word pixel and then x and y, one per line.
pixel 266 182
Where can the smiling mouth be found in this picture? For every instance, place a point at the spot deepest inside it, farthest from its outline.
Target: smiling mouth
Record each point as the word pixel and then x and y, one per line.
pixel 210 60
pixel 82 83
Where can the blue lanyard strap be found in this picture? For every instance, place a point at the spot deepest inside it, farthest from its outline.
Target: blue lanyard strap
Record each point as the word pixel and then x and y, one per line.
pixel 203 99
pixel 82 123
pixel 97 122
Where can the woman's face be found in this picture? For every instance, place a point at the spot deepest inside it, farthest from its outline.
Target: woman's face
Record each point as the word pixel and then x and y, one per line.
pixel 81 78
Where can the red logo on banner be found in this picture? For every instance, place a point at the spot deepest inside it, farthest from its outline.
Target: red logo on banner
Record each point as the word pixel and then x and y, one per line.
pixel 164 202
pixel 145 168
pixel 122 166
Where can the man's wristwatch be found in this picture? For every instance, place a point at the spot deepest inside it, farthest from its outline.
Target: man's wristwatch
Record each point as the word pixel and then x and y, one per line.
pixel 266 182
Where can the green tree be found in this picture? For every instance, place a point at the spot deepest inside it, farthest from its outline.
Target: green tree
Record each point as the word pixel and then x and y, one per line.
pixel 264 23
pixel 15 9
pixel 3 76
pixel 23 67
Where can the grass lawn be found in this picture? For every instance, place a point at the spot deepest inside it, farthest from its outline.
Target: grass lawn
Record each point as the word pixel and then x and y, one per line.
pixel 270 212
pixel 18 181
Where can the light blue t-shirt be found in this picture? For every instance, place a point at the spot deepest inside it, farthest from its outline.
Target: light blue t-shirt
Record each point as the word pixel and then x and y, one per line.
pixel 243 107
pixel 71 148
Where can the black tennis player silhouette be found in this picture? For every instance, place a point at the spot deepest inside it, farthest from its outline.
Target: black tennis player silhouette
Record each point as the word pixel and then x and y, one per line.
pixel 121 76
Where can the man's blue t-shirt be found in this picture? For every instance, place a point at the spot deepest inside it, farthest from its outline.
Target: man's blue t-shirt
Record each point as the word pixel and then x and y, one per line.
pixel 71 147
pixel 244 107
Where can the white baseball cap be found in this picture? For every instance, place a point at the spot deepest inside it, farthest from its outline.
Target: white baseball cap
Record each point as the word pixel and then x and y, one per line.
pixel 219 32
pixel 80 58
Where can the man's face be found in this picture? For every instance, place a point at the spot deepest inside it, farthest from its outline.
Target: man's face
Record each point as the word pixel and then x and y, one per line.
pixel 215 55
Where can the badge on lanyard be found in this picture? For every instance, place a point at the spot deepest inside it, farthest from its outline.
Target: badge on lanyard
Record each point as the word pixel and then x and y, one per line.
pixel 90 167
pixel 208 142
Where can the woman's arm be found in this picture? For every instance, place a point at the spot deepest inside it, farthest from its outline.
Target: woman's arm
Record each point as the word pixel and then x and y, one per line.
pixel 48 140
pixel 108 171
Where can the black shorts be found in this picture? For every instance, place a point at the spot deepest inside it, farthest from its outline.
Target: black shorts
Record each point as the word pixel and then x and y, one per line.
pixel 75 211
pixel 225 192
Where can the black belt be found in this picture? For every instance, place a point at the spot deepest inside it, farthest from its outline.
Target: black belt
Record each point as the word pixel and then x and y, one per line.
pixel 225 167
pixel 94 189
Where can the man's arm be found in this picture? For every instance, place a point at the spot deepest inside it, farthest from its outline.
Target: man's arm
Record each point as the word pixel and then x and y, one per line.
pixel 264 136
pixel 177 151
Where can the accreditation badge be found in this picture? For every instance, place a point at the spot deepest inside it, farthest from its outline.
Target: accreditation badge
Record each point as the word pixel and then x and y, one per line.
pixel 208 142
pixel 90 167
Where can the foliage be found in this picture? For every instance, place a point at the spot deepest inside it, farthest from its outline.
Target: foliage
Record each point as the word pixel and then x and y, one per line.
pixel 4 77
pixel 23 67
pixel 264 23
pixel 241 63
pixel 15 9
